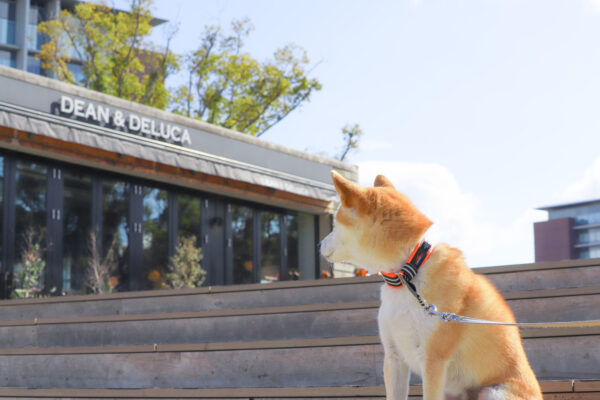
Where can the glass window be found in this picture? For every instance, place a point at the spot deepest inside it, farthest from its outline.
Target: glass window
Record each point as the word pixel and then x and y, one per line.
pixel 270 247
pixel 1 204
pixel 242 230
pixel 36 15
pixel 8 12
pixel 155 237
pixel 77 71
pixel 8 58
pixel 77 219
pixel 189 213
pixel 30 210
pixel 115 216
pixel 306 246
pixel 34 65
pixel 291 227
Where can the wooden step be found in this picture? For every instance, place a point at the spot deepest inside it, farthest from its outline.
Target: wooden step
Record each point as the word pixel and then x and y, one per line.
pixel 348 361
pixel 266 323
pixel 553 390
pixel 544 275
pixel 201 299
pixel 509 279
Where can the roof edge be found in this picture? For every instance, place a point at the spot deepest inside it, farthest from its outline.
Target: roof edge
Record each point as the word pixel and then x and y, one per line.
pixel 351 170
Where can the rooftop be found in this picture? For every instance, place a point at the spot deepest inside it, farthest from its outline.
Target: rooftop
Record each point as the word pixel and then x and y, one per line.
pixel 569 205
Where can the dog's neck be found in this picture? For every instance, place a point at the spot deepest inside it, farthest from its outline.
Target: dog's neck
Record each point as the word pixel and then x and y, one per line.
pixel 408 271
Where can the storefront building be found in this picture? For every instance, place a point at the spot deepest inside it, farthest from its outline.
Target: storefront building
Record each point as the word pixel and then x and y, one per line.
pixel 73 162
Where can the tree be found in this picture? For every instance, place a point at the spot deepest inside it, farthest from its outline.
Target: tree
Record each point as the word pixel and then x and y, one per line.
pixel 351 135
pixel 185 270
pixel 99 270
pixel 29 279
pixel 118 59
pixel 228 87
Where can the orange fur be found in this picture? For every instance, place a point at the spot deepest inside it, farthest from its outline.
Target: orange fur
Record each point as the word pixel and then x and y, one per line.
pixel 377 228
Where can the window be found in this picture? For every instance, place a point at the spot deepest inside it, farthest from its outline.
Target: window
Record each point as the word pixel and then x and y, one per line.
pixel 306 246
pixel 270 242
pixel 291 227
pixel 77 71
pixel 8 58
pixel 8 11
pixel 155 237
pixel 36 15
pixel 30 209
pixel 34 65
pixel 1 207
pixel 242 230
pixel 77 208
pixel 115 217
pixel 189 215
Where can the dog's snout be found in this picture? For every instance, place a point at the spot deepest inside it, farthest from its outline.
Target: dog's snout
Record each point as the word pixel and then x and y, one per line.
pixel 319 246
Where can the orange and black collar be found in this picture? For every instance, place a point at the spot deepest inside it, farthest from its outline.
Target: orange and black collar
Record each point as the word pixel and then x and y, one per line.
pixel 409 270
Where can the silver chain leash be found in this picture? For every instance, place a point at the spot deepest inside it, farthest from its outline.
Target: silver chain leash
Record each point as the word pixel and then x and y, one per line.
pixel 431 309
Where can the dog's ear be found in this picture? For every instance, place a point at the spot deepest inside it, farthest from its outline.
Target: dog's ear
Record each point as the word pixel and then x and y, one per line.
pixel 349 192
pixel 382 181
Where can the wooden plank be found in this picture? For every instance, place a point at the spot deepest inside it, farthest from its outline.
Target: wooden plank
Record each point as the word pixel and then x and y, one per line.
pixel 546 279
pixel 587 386
pixel 323 362
pixel 552 390
pixel 196 347
pixel 571 396
pixel 536 294
pixel 558 332
pixel 323 324
pixel 285 367
pixel 557 386
pixel 357 305
pixel 540 266
pixel 202 290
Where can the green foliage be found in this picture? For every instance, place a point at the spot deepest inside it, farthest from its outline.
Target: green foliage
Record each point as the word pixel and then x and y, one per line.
pixel 185 270
pixel 118 59
pixel 351 136
pixel 29 276
pixel 228 87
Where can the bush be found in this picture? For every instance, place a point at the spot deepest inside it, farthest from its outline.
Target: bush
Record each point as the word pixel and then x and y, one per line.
pixel 185 270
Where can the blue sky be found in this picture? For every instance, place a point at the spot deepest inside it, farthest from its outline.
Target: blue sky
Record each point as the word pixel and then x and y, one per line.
pixel 479 110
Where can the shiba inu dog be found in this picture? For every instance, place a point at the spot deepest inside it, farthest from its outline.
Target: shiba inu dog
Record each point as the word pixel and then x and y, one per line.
pixel 379 229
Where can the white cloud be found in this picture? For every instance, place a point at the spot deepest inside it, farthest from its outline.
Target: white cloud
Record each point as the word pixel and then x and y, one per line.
pixel 585 188
pixel 457 215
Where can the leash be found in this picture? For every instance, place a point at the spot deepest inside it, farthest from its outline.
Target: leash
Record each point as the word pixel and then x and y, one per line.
pixel 431 309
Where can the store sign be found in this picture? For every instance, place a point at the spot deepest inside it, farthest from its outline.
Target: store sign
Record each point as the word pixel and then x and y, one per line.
pixel 127 122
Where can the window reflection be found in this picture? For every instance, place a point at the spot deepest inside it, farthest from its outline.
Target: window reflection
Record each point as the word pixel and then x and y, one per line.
pixel 30 206
pixel 189 213
pixel 7 21
pixel 1 206
pixel 34 65
pixel 154 242
pixel 242 229
pixel 77 219
pixel 291 227
pixel 36 15
pixel 8 58
pixel 115 207
pixel 270 247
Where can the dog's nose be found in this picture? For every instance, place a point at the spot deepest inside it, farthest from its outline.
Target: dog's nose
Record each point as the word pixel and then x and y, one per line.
pixel 319 246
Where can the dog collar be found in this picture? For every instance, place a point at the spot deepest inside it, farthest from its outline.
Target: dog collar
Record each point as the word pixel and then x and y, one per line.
pixel 409 270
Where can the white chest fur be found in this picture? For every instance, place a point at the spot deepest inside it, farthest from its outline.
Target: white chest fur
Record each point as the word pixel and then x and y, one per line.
pixel 404 327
